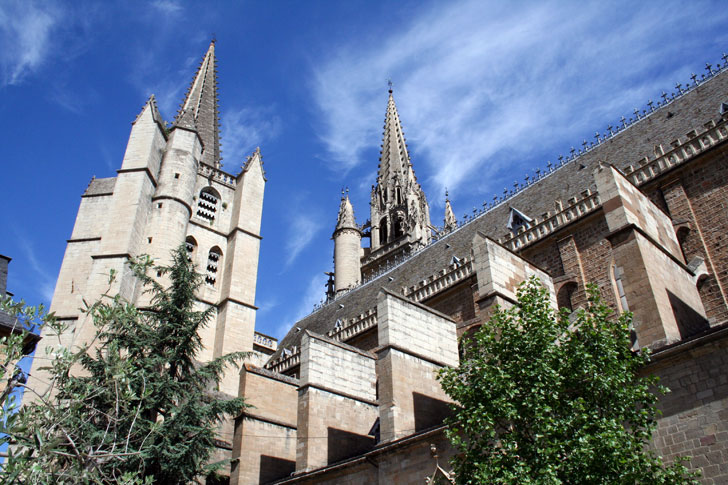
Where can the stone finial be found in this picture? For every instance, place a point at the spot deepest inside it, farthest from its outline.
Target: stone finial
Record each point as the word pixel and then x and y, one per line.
pixel 450 220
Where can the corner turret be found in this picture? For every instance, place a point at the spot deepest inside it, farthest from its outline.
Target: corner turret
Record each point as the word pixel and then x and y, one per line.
pixel 347 247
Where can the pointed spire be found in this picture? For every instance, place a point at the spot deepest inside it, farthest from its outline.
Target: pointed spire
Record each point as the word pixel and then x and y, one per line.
pixel 346 219
pixel 450 221
pixel 394 158
pixel 151 104
pixel 199 110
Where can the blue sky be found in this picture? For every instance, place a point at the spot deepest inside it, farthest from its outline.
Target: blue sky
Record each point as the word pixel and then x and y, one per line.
pixel 487 92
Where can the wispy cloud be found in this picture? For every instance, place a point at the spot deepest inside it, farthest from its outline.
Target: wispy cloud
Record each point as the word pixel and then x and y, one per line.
pixel 168 7
pixel 43 281
pixel 25 34
pixel 481 85
pixel 302 229
pixel 245 128
pixel 312 296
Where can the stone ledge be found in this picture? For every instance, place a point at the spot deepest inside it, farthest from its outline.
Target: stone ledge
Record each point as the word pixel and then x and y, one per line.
pixel 417 304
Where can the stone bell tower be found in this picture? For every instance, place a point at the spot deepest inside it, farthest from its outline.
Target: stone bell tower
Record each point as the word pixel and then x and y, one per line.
pixel 169 191
pixel 400 216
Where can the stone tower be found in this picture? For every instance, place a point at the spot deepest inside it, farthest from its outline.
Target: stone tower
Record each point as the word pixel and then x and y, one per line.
pixel 347 248
pixel 400 216
pixel 169 190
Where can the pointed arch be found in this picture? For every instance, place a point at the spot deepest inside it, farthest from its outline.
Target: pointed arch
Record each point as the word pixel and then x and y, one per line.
pixel 214 260
pixel 191 246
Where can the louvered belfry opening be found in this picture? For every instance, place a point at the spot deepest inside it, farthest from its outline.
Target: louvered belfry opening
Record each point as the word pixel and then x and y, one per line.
pixel 213 260
pixel 207 204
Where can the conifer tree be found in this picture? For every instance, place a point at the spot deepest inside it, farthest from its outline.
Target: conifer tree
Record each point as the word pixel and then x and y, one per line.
pixel 133 406
pixel 544 399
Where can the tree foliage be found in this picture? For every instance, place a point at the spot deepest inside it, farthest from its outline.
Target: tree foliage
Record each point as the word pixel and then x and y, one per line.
pixel 134 405
pixel 551 400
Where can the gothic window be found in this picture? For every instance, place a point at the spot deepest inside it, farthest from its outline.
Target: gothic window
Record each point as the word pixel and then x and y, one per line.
pixel 207 203
pixel 399 196
pixel 383 230
pixel 191 246
pixel 213 261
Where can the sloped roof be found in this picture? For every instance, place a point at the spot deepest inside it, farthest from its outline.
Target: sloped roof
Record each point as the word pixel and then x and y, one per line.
pixel 667 123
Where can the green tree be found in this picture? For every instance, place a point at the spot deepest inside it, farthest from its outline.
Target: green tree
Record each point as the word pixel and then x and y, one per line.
pixel 546 399
pixel 134 405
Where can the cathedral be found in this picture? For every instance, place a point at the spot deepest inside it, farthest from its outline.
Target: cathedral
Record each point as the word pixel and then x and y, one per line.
pixel 350 394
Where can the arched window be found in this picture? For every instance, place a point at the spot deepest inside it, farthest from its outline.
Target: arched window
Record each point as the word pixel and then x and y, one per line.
pixel 383 230
pixel 207 203
pixel 214 259
pixel 564 297
pixel 191 246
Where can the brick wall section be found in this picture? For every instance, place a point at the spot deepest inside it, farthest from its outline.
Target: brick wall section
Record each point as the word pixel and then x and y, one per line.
pixel 693 245
pixel 705 188
pixel 456 302
pixel 695 413
pixel 571 262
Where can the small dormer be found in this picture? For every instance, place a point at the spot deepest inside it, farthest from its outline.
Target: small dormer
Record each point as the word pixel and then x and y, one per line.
pixel 518 220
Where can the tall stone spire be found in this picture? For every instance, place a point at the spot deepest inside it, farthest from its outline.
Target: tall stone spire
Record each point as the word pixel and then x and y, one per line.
pixel 199 110
pixel 400 216
pixel 450 221
pixel 394 159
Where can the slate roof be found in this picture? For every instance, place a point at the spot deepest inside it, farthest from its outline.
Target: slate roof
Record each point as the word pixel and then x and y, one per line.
pixel 674 120
pixel 103 186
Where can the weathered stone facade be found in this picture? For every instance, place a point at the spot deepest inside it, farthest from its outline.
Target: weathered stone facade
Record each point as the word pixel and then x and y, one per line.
pixel 643 214
pixel 350 396
pixel 170 190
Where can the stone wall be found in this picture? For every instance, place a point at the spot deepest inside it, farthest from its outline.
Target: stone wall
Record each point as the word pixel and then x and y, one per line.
pixel 415 342
pixel 337 406
pixel 264 446
pixel 694 421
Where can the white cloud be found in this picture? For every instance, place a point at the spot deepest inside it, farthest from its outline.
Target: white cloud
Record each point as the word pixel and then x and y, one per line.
pixel 44 281
pixel 168 7
pixel 301 231
pixel 25 34
pixel 481 86
pixel 245 128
